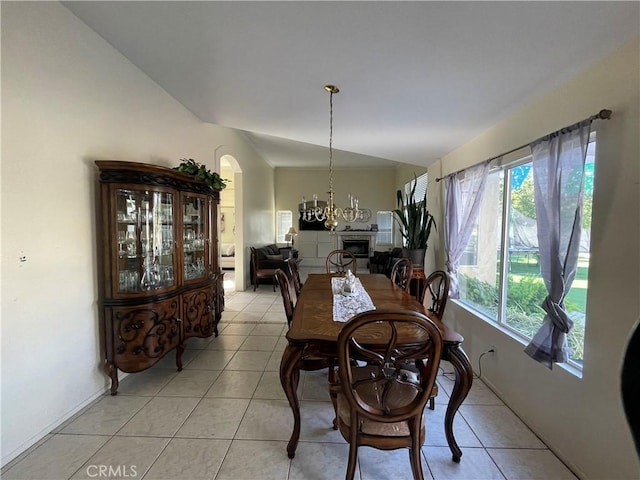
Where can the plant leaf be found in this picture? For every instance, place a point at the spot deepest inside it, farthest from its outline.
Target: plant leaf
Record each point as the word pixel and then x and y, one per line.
pixel 413 218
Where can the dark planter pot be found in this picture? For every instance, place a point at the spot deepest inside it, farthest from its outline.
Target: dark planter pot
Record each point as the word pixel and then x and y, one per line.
pixel 415 255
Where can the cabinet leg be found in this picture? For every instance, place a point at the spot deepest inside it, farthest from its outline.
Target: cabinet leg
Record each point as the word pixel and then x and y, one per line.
pixel 112 372
pixel 179 352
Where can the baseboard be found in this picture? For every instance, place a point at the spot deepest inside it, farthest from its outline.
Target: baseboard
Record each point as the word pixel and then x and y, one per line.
pixel 558 453
pixel 26 446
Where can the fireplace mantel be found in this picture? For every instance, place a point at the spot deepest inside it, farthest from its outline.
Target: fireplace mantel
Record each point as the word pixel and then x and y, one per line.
pixel 356 233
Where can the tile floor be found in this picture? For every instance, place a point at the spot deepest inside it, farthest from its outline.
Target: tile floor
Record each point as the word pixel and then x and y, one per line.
pixel 225 417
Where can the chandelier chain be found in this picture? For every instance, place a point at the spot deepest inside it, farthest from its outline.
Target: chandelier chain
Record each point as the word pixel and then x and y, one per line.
pixel 330 214
pixel 331 141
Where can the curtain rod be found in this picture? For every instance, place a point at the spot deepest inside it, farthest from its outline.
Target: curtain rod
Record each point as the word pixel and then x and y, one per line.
pixel 602 114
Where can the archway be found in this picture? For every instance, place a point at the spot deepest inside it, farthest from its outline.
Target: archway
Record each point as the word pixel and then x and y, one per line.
pixel 231 218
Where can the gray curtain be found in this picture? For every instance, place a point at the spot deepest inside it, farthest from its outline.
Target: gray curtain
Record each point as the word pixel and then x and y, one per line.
pixel 463 195
pixel 558 175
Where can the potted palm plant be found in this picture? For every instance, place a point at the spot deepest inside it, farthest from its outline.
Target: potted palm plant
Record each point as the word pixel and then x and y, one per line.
pixel 415 223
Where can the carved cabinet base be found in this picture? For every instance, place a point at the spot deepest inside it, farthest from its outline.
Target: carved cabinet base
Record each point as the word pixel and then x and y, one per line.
pixel 198 308
pixel 140 336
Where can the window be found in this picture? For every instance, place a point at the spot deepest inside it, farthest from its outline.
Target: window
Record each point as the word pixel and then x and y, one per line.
pixel 505 283
pixel 421 186
pixel 384 220
pixel 284 221
pixel 470 254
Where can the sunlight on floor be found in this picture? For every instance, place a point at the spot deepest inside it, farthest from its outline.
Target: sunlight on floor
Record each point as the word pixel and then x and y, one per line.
pixel 229 280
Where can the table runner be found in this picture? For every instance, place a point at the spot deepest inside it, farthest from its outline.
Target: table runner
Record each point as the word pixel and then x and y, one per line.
pixel 346 306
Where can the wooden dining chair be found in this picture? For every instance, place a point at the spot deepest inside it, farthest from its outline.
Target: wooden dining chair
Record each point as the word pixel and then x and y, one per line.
pixel 436 292
pixel 401 273
pixel 280 279
pixel 307 362
pixel 295 275
pixel 339 261
pixel 434 299
pixel 260 273
pixel 380 404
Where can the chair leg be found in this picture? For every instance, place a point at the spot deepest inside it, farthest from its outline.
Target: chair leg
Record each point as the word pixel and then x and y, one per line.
pixel 274 283
pixel 415 457
pixel 353 461
pixel 416 463
pixel 334 397
pixel 432 403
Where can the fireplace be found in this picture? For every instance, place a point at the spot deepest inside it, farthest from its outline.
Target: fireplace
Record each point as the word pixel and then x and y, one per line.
pixel 361 243
pixel 359 248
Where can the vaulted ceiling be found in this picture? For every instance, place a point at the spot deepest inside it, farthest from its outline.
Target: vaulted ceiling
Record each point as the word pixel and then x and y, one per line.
pixel 417 79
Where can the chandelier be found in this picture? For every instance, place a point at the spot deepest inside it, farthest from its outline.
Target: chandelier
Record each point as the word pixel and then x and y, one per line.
pixel 330 214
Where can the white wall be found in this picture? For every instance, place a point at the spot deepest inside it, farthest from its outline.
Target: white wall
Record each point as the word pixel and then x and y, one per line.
pixel 254 196
pixel 68 99
pixel 374 188
pixel 434 258
pixel 258 208
pixel 580 418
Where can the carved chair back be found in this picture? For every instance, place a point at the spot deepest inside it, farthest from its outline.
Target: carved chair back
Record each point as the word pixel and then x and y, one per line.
pixel 295 276
pixel 339 261
pixel 401 273
pixel 436 292
pixel 285 290
pixel 379 402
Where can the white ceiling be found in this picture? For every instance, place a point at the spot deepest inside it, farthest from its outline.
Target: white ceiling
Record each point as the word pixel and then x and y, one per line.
pixel 417 79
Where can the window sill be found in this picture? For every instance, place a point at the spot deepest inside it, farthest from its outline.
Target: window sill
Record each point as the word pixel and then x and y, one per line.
pixel 571 368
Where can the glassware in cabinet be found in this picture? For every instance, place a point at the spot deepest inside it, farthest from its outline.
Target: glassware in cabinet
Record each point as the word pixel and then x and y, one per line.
pixel 146 252
pixel 195 227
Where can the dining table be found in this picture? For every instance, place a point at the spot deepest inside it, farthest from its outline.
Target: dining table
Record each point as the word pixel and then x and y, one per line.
pixel 313 334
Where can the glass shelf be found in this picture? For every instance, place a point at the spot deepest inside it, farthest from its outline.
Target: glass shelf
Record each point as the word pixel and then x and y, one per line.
pixel 194 223
pixel 145 233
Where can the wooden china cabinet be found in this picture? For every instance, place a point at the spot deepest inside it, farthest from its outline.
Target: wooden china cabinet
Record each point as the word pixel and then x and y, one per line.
pixel 161 283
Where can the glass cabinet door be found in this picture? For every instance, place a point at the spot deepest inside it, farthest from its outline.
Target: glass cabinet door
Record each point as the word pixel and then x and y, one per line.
pixel 195 238
pixel 144 230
